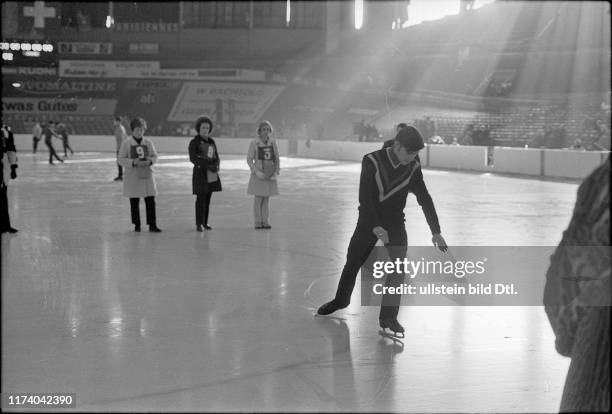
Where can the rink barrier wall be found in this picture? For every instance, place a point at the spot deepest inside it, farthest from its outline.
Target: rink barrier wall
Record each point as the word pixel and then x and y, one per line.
pixel 574 164
pixel 458 158
pixel 518 161
pixel 168 145
pixel 523 161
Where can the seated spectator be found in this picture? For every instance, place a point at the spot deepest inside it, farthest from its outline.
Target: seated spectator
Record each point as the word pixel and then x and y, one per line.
pixel 476 136
pixel 467 138
pixel 429 128
pixel 577 145
pixel 485 135
pixel 599 140
pixel 436 139
pixel 557 137
pixel 536 140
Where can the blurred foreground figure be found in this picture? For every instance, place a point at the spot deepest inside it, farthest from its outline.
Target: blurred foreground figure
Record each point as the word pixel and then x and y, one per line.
pixel 8 157
pixel 577 280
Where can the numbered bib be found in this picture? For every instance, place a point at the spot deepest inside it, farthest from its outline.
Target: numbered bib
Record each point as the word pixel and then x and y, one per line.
pixel 266 155
pixel 139 151
pixel 208 151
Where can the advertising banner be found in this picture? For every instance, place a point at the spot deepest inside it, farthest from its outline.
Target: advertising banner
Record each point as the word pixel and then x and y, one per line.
pixel 85 48
pixel 58 106
pixel 199 98
pixel 143 48
pixel 60 86
pixel 29 70
pixel 105 69
pixel 151 70
pixel 149 98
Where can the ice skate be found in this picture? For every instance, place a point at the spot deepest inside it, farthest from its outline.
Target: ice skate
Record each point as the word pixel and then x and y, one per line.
pixel 329 307
pixel 393 325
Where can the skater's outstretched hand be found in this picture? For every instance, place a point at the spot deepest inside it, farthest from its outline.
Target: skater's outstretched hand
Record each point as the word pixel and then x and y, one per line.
pixel 439 242
pixel 381 233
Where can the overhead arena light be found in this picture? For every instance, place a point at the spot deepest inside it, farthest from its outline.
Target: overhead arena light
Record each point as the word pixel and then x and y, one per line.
pixel 47 48
pixel 31 53
pixel 7 56
pixel 5 46
pixel 16 84
pixel 15 46
pixel 36 47
pixel 26 46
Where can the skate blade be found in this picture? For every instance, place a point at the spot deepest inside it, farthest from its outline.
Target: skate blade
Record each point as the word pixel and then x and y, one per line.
pixel 391 334
pixel 332 317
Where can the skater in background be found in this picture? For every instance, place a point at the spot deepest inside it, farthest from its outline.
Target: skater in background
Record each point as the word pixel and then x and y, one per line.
pixel 49 133
pixel 263 160
pixel 137 155
pixel 36 134
pixel 8 158
pixel 62 130
pixel 205 177
pixel 387 176
pixel 577 297
pixel 120 136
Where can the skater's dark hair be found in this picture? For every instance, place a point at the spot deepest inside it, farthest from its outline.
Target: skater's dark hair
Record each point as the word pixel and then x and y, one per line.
pixel 138 122
pixel 200 121
pixel 410 138
pixel 118 118
pixel 401 125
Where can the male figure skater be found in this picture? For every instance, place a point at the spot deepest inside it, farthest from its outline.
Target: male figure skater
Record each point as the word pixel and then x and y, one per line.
pixel 387 176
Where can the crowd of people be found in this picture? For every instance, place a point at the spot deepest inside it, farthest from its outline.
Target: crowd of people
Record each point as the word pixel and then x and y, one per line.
pixel 476 135
pixel 366 132
pixel 136 156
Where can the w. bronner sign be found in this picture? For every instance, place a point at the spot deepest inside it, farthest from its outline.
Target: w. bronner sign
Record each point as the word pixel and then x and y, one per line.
pixel 159 27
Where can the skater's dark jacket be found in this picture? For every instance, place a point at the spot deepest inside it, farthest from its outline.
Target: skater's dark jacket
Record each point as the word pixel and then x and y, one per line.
pixel 202 164
pixel 384 187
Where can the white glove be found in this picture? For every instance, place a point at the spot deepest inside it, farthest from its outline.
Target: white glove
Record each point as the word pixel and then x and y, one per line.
pixel 260 175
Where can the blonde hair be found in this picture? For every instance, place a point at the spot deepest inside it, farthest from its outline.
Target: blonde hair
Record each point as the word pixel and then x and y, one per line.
pixel 265 123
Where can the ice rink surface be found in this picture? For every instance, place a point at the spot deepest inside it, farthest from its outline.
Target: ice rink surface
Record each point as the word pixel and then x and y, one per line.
pixel 223 320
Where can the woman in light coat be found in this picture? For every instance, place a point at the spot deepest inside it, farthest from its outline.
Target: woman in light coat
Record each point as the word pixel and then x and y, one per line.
pixel 137 156
pixel 263 160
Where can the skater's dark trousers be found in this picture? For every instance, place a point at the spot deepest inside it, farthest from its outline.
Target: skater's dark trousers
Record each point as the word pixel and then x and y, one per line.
pixel 5 222
pixel 66 147
pixel 150 206
pixel 119 167
pixel 52 152
pixel 360 247
pixel 202 207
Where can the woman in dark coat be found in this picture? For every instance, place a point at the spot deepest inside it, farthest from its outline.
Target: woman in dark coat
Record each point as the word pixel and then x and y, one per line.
pixel 205 180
